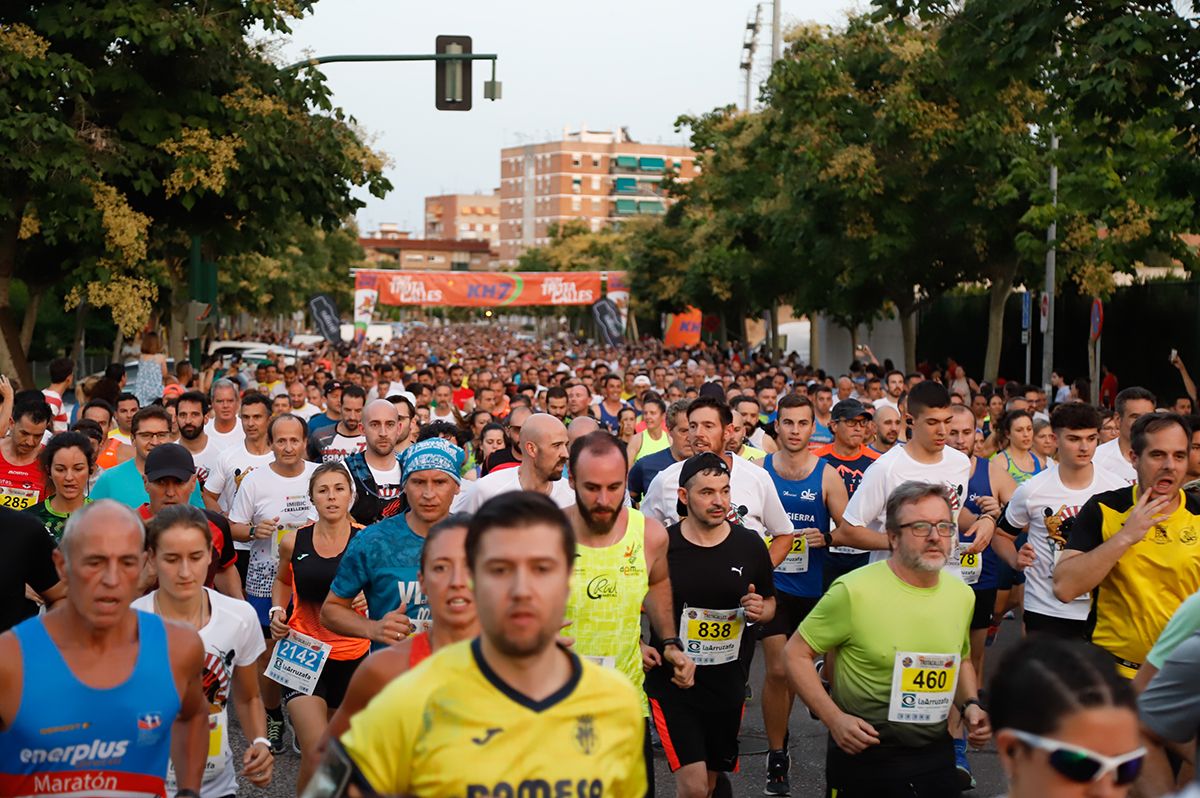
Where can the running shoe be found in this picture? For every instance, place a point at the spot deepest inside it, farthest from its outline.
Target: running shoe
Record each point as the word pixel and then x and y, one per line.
pixel 275 730
pixel 965 780
pixel 778 765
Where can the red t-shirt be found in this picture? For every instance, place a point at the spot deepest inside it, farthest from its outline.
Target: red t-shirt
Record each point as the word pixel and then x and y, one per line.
pixel 21 486
pixel 461 396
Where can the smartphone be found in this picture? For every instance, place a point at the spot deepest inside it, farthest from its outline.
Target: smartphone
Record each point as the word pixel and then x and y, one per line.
pixel 1174 354
pixel 335 774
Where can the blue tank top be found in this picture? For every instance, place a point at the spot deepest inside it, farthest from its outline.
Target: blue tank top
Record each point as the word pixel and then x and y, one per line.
pixel 69 739
pixel 805 505
pixel 980 484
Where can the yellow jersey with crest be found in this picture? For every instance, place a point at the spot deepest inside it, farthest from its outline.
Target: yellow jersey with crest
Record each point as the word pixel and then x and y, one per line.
pixel 452 727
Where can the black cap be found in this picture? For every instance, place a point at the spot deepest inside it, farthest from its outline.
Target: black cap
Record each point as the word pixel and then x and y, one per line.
pixel 693 466
pixel 850 408
pixel 170 460
pixel 331 386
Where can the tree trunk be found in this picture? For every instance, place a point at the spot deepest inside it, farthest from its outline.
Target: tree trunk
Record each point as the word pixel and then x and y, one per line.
pixel 176 326
pixel 722 330
pixel 81 312
pixel 1002 284
pixel 13 361
pixel 814 341
pixel 118 345
pixel 853 330
pixel 36 292
pixel 908 328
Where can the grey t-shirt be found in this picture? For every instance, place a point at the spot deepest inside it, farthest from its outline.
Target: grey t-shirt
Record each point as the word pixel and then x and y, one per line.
pixel 1170 705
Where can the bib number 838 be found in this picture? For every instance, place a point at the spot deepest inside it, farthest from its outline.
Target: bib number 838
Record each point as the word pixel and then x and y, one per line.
pixel 711 630
pixel 921 680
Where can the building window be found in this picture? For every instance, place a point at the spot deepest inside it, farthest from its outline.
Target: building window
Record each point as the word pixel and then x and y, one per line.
pixel 595 183
pixel 576 203
pixel 576 185
pixel 595 161
pixel 576 159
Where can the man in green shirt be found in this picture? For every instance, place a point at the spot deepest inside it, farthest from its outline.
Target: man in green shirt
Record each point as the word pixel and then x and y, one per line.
pixel 900 629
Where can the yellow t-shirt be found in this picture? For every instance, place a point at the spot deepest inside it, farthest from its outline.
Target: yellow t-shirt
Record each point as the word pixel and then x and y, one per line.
pixel 1152 578
pixel 451 727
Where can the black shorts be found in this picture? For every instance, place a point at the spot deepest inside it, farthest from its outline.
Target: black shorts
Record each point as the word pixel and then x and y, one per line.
pixel 243 563
pixel 985 604
pixel 1062 628
pixel 1008 577
pixel 841 564
pixel 885 771
pixel 789 612
pixel 335 678
pixel 692 731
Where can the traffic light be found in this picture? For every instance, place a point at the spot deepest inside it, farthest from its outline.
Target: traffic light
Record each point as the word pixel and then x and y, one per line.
pixel 453 78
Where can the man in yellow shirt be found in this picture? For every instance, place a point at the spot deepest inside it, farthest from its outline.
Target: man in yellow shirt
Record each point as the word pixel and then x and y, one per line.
pixel 511 712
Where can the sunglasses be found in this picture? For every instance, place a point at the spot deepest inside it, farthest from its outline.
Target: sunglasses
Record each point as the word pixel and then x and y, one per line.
pixel 1083 766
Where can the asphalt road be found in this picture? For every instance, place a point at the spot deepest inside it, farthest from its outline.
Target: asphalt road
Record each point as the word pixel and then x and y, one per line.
pixel 807 744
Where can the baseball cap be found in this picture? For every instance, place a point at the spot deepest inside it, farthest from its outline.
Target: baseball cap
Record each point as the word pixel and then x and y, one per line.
pixel 170 460
pixel 331 386
pixel 693 466
pixel 850 408
pixel 641 379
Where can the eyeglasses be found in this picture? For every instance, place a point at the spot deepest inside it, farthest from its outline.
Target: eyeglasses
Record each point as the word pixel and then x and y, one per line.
pixel 855 423
pixel 923 529
pixel 153 436
pixel 1083 766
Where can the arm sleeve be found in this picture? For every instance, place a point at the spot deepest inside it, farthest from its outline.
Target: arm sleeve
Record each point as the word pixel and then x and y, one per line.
pixel 1170 705
pixel 828 625
pixel 350 579
pixel 1087 527
pixel 867 503
pixel 1183 624
pixel 1016 514
pixel 242 511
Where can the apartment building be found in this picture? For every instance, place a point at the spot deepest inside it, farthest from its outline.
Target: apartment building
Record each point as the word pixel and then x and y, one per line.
pixel 467 217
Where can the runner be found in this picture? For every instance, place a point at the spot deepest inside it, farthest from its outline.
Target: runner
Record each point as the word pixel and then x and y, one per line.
pixel 446 583
pixel 643 471
pixel 754 502
pixel 383 560
pixel 338 441
pixel 893 385
pixel 22 481
pixel 62 378
pixel 721 582
pixel 620 566
pixel 179 541
pixel 126 483
pixel 1131 404
pixel 608 409
pixel 1046 507
pixel 850 458
pixel 376 469
pixel 822 397
pixel 901 631
pixel 238 461
pixel 814 496
pixel 308 560
pixel 1016 458
pixel 120 443
pixel 28 579
pixel 543 457
pixel 756 434
pixel 888 426
pixel 332 391
pixel 271 502
pixel 67 460
pixel 191 409
pixel 525 713
pixel 654 436
pixel 224 429
pixel 96 696
pixel 1134 548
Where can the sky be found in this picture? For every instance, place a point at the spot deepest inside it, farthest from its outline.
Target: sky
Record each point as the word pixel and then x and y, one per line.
pixel 563 64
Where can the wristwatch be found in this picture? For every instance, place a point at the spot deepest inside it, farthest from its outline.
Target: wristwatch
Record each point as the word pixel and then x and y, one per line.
pixel 186 793
pixel 963 709
pixel 673 641
pixel 828 538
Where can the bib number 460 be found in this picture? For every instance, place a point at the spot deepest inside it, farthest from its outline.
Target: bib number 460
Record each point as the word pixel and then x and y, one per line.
pixel 931 680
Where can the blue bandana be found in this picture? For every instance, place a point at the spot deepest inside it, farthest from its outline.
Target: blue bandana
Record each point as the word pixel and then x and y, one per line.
pixel 435 454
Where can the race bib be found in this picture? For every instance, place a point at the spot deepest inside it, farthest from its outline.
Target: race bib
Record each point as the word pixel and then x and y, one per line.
pixel 970 565
pixel 847 550
pixel 603 662
pixel 796 561
pixel 712 637
pixel 923 687
pixel 422 625
pixel 297 662
pixel 17 498
pixel 218 752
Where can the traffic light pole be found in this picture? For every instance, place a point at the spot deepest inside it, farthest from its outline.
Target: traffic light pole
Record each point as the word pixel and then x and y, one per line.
pixel 334 59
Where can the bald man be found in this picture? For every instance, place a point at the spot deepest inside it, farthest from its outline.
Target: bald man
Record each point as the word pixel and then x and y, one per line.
pixel 543 445
pixel 580 426
pixel 376 469
pixel 888 427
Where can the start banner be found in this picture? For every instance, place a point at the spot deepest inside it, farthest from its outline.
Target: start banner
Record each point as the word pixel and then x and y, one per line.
pixel 482 289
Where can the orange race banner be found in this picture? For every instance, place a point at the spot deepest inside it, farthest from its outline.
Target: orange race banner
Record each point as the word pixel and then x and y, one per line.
pixel 683 329
pixel 481 289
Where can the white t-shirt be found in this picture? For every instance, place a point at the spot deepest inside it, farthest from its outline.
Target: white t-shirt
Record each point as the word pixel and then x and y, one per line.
pixel 225 440
pixel 886 401
pixel 1108 456
pixel 232 466
pixel 263 495
pixel 206 462
pixel 1035 500
pixel 754 502
pixel 232 639
pixel 868 505
pixel 506 481
pixel 388 482
pixel 306 411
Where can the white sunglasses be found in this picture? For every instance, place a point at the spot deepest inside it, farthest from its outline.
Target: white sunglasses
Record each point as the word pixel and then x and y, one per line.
pixel 1083 766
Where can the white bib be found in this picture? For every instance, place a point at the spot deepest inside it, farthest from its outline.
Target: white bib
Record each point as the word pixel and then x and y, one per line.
pixel 923 687
pixel 712 637
pixel 297 662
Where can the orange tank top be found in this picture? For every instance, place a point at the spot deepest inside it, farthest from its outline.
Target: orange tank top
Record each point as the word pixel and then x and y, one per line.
pixel 312 575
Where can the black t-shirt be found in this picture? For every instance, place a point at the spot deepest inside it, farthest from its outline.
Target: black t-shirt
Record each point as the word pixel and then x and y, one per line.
pixel 716 578
pixel 28 559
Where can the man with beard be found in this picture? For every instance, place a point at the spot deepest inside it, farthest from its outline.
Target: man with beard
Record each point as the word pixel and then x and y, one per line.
pixel 190 411
pixel 340 440
pixel 620 564
pixel 901 666
pixel 887 429
pixel 579 400
pixel 1135 548
pixel 543 454
pixel 22 482
pixel 376 469
pixel 513 713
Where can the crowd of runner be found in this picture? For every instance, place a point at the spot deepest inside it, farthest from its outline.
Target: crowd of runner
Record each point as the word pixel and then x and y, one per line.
pixel 468 563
